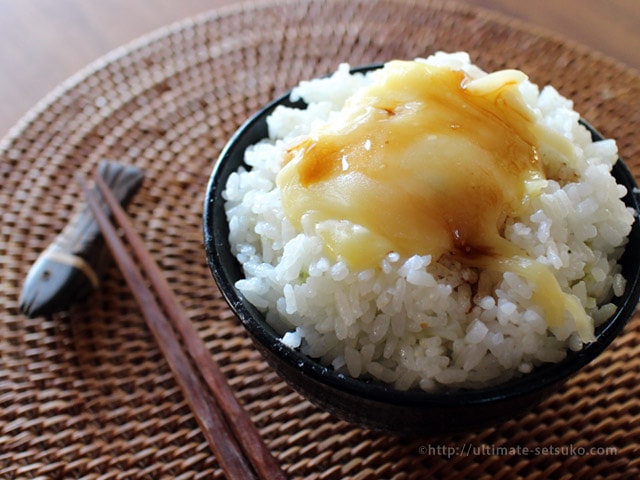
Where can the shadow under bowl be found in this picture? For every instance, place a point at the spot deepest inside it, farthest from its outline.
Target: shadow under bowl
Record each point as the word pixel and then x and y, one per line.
pixel 378 406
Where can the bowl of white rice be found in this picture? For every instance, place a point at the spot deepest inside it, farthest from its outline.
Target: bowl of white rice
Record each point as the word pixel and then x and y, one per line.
pixel 422 246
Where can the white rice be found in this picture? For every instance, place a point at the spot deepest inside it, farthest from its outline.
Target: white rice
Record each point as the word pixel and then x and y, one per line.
pixel 416 322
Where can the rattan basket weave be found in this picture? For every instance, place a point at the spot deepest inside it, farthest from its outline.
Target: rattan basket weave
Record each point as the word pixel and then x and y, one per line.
pixel 86 394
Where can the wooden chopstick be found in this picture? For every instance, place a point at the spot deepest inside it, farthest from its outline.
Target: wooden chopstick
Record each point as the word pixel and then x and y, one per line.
pixel 226 425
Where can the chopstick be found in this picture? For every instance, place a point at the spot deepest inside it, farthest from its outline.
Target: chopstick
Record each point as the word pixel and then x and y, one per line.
pixel 226 425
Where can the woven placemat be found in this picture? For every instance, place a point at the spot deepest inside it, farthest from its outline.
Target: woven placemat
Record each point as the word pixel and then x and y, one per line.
pixel 86 394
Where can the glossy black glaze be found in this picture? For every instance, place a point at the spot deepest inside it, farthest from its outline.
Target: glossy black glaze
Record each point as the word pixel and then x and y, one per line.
pixel 378 406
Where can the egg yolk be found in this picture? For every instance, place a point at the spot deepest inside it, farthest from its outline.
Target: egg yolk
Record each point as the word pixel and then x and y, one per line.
pixel 426 160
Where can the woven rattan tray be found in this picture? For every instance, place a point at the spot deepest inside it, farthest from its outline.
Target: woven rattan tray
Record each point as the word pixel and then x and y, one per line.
pixel 86 394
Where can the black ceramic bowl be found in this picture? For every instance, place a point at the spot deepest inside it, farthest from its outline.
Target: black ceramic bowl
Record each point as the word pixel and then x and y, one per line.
pixel 371 404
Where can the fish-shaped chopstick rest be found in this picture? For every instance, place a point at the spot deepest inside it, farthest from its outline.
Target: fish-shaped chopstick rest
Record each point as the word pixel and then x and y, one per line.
pixel 73 264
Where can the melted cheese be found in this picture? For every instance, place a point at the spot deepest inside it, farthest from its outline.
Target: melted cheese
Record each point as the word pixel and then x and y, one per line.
pixel 427 161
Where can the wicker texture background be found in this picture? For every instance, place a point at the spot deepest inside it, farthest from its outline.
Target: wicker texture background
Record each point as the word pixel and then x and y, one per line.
pixel 86 394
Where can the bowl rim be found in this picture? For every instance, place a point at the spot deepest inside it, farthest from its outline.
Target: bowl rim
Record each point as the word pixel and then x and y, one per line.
pixel 541 378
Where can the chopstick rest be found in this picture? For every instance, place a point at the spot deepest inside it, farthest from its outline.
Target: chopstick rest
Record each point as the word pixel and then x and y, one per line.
pixel 226 425
pixel 73 264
